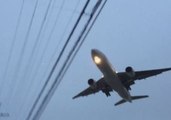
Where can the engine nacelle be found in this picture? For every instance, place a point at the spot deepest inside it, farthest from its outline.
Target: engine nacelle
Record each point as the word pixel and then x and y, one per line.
pixel 92 83
pixel 130 71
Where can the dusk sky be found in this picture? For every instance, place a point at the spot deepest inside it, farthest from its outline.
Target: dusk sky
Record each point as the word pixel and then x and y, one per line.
pixel 133 33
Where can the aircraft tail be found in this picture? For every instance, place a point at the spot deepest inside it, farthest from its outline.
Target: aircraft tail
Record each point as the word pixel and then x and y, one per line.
pixel 133 98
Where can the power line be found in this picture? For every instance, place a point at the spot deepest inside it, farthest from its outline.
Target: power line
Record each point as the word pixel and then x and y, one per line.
pixel 18 65
pixel 56 49
pixel 56 20
pixel 12 45
pixel 59 57
pixel 71 54
pixel 37 41
pixel 78 43
pixel 49 38
pixel 76 51
pixel 60 40
pixel 56 82
pixel 38 64
pixel 30 62
pixel 27 36
pixel 62 37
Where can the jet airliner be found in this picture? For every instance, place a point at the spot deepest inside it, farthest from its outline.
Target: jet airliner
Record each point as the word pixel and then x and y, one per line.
pixel 112 80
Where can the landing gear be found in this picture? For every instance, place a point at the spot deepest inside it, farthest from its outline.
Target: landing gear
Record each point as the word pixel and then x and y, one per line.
pixel 106 92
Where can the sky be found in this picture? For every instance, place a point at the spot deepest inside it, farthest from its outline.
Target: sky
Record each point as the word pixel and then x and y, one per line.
pixel 130 33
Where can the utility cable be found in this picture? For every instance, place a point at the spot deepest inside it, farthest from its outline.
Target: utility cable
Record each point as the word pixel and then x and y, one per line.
pixel 30 62
pixel 18 65
pixel 79 46
pixel 55 83
pixel 12 45
pixel 61 38
pixel 49 38
pixel 38 64
pixel 53 68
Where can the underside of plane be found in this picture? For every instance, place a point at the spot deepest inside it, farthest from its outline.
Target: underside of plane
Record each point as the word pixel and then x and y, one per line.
pixel 119 82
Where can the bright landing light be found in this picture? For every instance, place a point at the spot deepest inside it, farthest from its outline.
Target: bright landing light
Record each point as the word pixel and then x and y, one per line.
pixel 97 60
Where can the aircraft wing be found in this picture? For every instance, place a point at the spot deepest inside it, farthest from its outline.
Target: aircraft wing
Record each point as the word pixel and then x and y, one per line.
pixel 142 74
pixel 100 84
pixel 86 92
pixel 148 73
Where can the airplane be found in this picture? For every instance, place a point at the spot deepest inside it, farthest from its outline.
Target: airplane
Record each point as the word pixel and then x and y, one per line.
pixel 112 80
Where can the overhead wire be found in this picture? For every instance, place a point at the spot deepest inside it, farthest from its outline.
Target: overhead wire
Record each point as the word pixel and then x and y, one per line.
pixel 78 43
pixel 47 43
pixel 56 49
pixel 18 65
pixel 55 64
pixel 63 70
pixel 84 37
pixel 48 40
pixel 12 46
pixel 30 63
pixel 61 38
pixel 30 60
pixel 52 89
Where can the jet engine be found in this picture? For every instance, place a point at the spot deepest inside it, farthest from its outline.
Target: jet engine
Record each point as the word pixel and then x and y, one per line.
pixel 130 71
pixel 92 83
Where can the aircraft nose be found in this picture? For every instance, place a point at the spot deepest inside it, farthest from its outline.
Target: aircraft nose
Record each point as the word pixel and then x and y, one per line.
pixel 94 52
pixel 96 56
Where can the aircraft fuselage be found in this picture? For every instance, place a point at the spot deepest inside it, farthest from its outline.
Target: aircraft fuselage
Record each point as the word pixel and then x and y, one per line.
pixel 110 74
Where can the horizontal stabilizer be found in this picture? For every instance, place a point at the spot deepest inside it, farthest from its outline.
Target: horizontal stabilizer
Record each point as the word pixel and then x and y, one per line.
pixel 120 102
pixel 139 97
pixel 133 98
